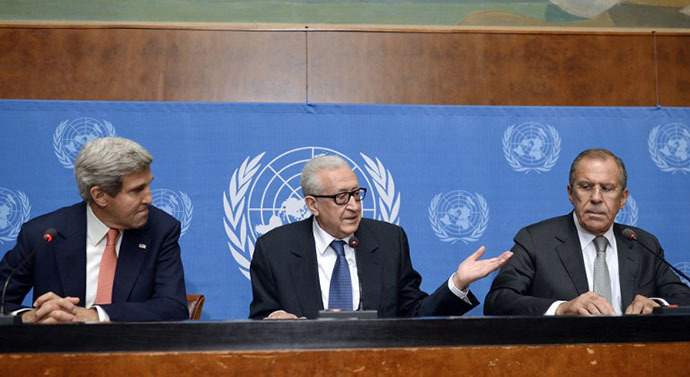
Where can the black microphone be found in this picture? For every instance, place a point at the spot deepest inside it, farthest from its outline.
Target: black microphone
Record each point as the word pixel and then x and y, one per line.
pixel 353 242
pixel 630 235
pixel 48 236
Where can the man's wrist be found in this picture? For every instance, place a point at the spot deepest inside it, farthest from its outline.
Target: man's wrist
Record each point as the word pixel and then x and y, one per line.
pixel 453 286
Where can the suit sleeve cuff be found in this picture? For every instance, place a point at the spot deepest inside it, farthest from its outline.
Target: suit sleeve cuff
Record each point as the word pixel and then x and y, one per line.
pixel 460 293
pixel 660 301
pixel 553 307
pixel 102 314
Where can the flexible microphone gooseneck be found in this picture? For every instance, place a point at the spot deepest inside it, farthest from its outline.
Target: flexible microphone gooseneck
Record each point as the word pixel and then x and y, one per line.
pixel 48 236
pixel 353 242
pixel 629 234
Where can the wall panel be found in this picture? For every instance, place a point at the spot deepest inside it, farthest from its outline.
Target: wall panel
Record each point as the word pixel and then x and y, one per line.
pixel 292 65
pixel 151 65
pixel 482 69
pixel 673 53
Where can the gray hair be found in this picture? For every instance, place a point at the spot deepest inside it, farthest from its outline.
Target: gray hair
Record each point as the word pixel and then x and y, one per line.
pixel 104 162
pixel 310 182
pixel 601 154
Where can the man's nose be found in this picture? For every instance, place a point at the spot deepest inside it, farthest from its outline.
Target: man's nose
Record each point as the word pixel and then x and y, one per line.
pixel 148 198
pixel 596 196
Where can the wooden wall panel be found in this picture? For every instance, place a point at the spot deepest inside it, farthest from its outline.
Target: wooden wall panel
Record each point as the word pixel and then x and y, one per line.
pixel 481 69
pixel 151 65
pixel 602 360
pixel 673 54
pixel 387 67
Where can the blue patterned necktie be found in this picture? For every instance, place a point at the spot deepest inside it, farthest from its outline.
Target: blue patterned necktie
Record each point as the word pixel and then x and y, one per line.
pixel 340 293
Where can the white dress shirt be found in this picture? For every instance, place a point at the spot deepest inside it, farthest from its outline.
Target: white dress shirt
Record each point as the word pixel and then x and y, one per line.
pixel 589 253
pixel 326 257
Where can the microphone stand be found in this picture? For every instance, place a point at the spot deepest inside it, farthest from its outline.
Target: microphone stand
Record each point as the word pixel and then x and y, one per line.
pixel 8 319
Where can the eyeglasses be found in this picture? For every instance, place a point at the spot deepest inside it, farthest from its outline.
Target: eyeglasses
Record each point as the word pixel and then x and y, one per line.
pixel 344 197
pixel 587 187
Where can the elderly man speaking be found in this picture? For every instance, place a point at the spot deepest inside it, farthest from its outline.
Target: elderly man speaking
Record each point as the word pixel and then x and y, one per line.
pixel 301 268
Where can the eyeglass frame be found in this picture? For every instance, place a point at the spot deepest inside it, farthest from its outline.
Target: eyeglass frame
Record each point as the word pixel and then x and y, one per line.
pixel 350 194
pixel 589 188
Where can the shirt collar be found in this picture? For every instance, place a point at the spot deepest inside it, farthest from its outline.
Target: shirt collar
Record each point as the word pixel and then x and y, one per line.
pixel 95 229
pixel 586 237
pixel 322 239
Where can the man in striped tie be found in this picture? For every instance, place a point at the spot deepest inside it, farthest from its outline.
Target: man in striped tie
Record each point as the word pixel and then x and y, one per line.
pixel 338 260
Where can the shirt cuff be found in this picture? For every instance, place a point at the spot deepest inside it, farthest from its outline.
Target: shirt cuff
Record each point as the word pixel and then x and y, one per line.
pixel 660 301
pixel 553 307
pixel 102 314
pixel 461 293
pixel 20 311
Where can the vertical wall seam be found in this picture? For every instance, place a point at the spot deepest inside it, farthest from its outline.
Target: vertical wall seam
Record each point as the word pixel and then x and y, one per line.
pixel 656 70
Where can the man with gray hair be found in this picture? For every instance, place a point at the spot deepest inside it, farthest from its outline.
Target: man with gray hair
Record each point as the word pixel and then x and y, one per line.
pixel 114 257
pixel 582 263
pixel 301 268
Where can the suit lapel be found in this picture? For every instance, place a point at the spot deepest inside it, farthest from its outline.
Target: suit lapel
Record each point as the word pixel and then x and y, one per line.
pixel 369 267
pixel 570 253
pixel 133 252
pixel 627 266
pixel 69 249
pixel 304 270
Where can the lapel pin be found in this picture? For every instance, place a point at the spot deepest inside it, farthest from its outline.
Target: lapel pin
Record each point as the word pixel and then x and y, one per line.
pixel 142 246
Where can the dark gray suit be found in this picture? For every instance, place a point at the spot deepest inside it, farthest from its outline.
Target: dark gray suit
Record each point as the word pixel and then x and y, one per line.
pixel 548 265
pixel 285 276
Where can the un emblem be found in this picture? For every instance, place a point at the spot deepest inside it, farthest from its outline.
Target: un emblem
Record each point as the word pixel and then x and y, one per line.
pixel 458 216
pixel 176 204
pixel 14 211
pixel 669 147
pixel 259 198
pixel 531 146
pixel 70 137
pixel 628 215
pixel 684 267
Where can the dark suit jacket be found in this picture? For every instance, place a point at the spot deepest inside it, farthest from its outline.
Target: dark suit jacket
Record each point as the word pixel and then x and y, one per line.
pixel 285 275
pixel 149 282
pixel 547 265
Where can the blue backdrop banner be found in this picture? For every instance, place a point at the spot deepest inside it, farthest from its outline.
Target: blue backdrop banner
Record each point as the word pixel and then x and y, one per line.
pixel 454 177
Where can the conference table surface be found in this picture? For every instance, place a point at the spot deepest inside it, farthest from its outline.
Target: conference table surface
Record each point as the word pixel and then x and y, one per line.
pixel 248 335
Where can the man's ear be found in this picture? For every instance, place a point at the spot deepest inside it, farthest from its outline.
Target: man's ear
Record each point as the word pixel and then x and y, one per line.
pixel 98 196
pixel 313 206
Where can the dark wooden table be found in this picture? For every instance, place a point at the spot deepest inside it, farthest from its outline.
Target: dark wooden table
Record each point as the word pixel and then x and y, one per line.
pixel 521 346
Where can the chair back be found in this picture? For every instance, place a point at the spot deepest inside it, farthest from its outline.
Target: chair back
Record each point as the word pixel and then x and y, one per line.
pixel 194 304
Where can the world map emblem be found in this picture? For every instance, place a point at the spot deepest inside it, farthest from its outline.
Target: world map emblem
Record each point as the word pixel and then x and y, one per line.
pixel 531 146
pixel 629 213
pixel 458 216
pixel 14 211
pixel 176 204
pixel 669 147
pixel 261 197
pixel 70 137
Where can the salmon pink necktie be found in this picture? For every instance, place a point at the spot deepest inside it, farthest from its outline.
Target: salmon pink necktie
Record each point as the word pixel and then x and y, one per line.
pixel 106 273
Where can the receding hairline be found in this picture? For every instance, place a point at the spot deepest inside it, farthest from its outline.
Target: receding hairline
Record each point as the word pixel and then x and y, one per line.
pixel 600 154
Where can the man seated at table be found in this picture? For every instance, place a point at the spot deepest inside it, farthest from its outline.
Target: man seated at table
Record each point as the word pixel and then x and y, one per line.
pixel 580 263
pixel 115 257
pixel 301 268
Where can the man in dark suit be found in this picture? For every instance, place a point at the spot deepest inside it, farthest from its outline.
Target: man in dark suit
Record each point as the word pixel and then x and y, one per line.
pixel 142 280
pixel 298 269
pixel 580 263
